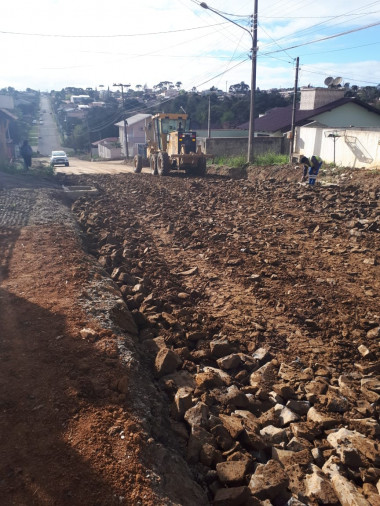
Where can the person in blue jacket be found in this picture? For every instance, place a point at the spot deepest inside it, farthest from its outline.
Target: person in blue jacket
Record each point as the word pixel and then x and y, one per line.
pixel 314 169
pixel 310 167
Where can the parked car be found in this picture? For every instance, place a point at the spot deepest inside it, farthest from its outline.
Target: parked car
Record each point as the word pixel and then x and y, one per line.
pixel 59 158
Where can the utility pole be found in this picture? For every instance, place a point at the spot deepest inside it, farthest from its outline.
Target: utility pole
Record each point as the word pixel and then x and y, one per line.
pixel 291 146
pixel 209 117
pixel 251 132
pixel 253 35
pixel 124 119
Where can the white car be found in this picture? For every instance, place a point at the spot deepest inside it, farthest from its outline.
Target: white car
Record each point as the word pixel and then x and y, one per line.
pixel 59 158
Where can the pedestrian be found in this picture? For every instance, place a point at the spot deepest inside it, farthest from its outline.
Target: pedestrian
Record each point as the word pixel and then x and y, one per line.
pixel 306 164
pixel 310 167
pixel 26 152
pixel 314 170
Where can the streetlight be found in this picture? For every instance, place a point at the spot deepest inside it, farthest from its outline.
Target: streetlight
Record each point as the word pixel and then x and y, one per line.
pixel 251 133
pixel 124 120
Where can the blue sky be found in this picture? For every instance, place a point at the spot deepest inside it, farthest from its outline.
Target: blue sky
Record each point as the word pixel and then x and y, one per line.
pixel 50 44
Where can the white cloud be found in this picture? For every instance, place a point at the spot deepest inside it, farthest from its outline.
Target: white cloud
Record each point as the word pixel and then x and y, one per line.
pixel 188 56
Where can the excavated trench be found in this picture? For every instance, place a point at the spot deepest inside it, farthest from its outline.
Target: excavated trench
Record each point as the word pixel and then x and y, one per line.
pixel 249 316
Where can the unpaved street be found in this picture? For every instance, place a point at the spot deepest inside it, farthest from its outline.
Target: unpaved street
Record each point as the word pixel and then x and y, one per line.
pixel 190 341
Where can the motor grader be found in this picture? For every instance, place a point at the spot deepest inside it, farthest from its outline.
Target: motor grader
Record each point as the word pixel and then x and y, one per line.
pixel 171 145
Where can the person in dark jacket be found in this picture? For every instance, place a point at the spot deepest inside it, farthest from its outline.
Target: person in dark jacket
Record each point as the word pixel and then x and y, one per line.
pixel 306 164
pixel 310 167
pixel 26 152
pixel 314 169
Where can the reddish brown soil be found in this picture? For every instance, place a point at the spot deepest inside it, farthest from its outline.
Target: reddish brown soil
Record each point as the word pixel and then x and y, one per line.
pixel 277 264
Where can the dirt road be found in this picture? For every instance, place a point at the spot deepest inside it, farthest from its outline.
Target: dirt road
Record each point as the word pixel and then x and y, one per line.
pixel 211 333
pixel 84 167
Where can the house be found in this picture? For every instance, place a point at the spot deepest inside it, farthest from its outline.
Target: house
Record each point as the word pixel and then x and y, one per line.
pixel 108 148
pixel 135 133
pixel 80 99
pixel 7 152
pixel 327 106
pixel 324 114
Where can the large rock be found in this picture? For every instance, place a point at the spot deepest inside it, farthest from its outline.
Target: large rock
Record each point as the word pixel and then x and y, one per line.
pixel 230 361
pixel 222 437
pixel 212 378
pixel 197 415
pixel 122 317
pixel 285 415
pixel 266 375
pixel 367 426
pixel 306 430
pixel 346 492
pixel 351 446
pixel 318 487
pixel 299 407
pixel 233 471
pixel 273 435
pixel 220 348
pixel 209 456
pixel 167 361
pixel 335 401
pixel 320 418
pixel 269 481
pixel 234 496
pixel 233 424
pixel 198 438
pixel 183 400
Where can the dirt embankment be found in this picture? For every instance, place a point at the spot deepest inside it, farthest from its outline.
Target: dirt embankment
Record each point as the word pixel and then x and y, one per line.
pixel 218 333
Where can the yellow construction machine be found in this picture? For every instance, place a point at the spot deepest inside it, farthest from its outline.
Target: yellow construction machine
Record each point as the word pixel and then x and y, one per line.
pixel 171 145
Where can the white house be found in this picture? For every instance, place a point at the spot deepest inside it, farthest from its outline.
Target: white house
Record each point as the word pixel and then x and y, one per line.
pixel 108 148
pixel 135 133
pixel 345 147
pixel 325 114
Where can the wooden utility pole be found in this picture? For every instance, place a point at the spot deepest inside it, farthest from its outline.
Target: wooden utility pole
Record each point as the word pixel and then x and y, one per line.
pixel 124 119
pixel 293 129
pixel 209 117
pixel 251 132
pixel 253 35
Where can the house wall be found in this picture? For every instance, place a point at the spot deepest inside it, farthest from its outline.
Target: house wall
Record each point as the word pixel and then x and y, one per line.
pixel 135 135
pixel 225 146
pixel 354 148
pixel 108 152
pixel 349 115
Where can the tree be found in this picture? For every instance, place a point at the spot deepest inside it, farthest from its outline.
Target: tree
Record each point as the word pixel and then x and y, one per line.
pixel 239 88
pixel 79 139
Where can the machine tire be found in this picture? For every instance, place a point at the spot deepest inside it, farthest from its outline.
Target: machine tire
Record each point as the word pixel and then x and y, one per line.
pixel 137 164
pixel 153 164
pixel 200 169
pixel 163 164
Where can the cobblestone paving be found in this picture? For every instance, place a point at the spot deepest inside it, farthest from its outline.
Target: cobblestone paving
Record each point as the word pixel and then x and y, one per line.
pixel 22 207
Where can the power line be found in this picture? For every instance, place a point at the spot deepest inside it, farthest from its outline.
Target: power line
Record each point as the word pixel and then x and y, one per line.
pixel 310 29
pixel 341 49
pixel 311 17
pixel 346 78
pixel 326 38
pixel 109 36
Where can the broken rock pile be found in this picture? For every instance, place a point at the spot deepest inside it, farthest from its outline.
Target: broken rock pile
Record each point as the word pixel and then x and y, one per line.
pixel 259 419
